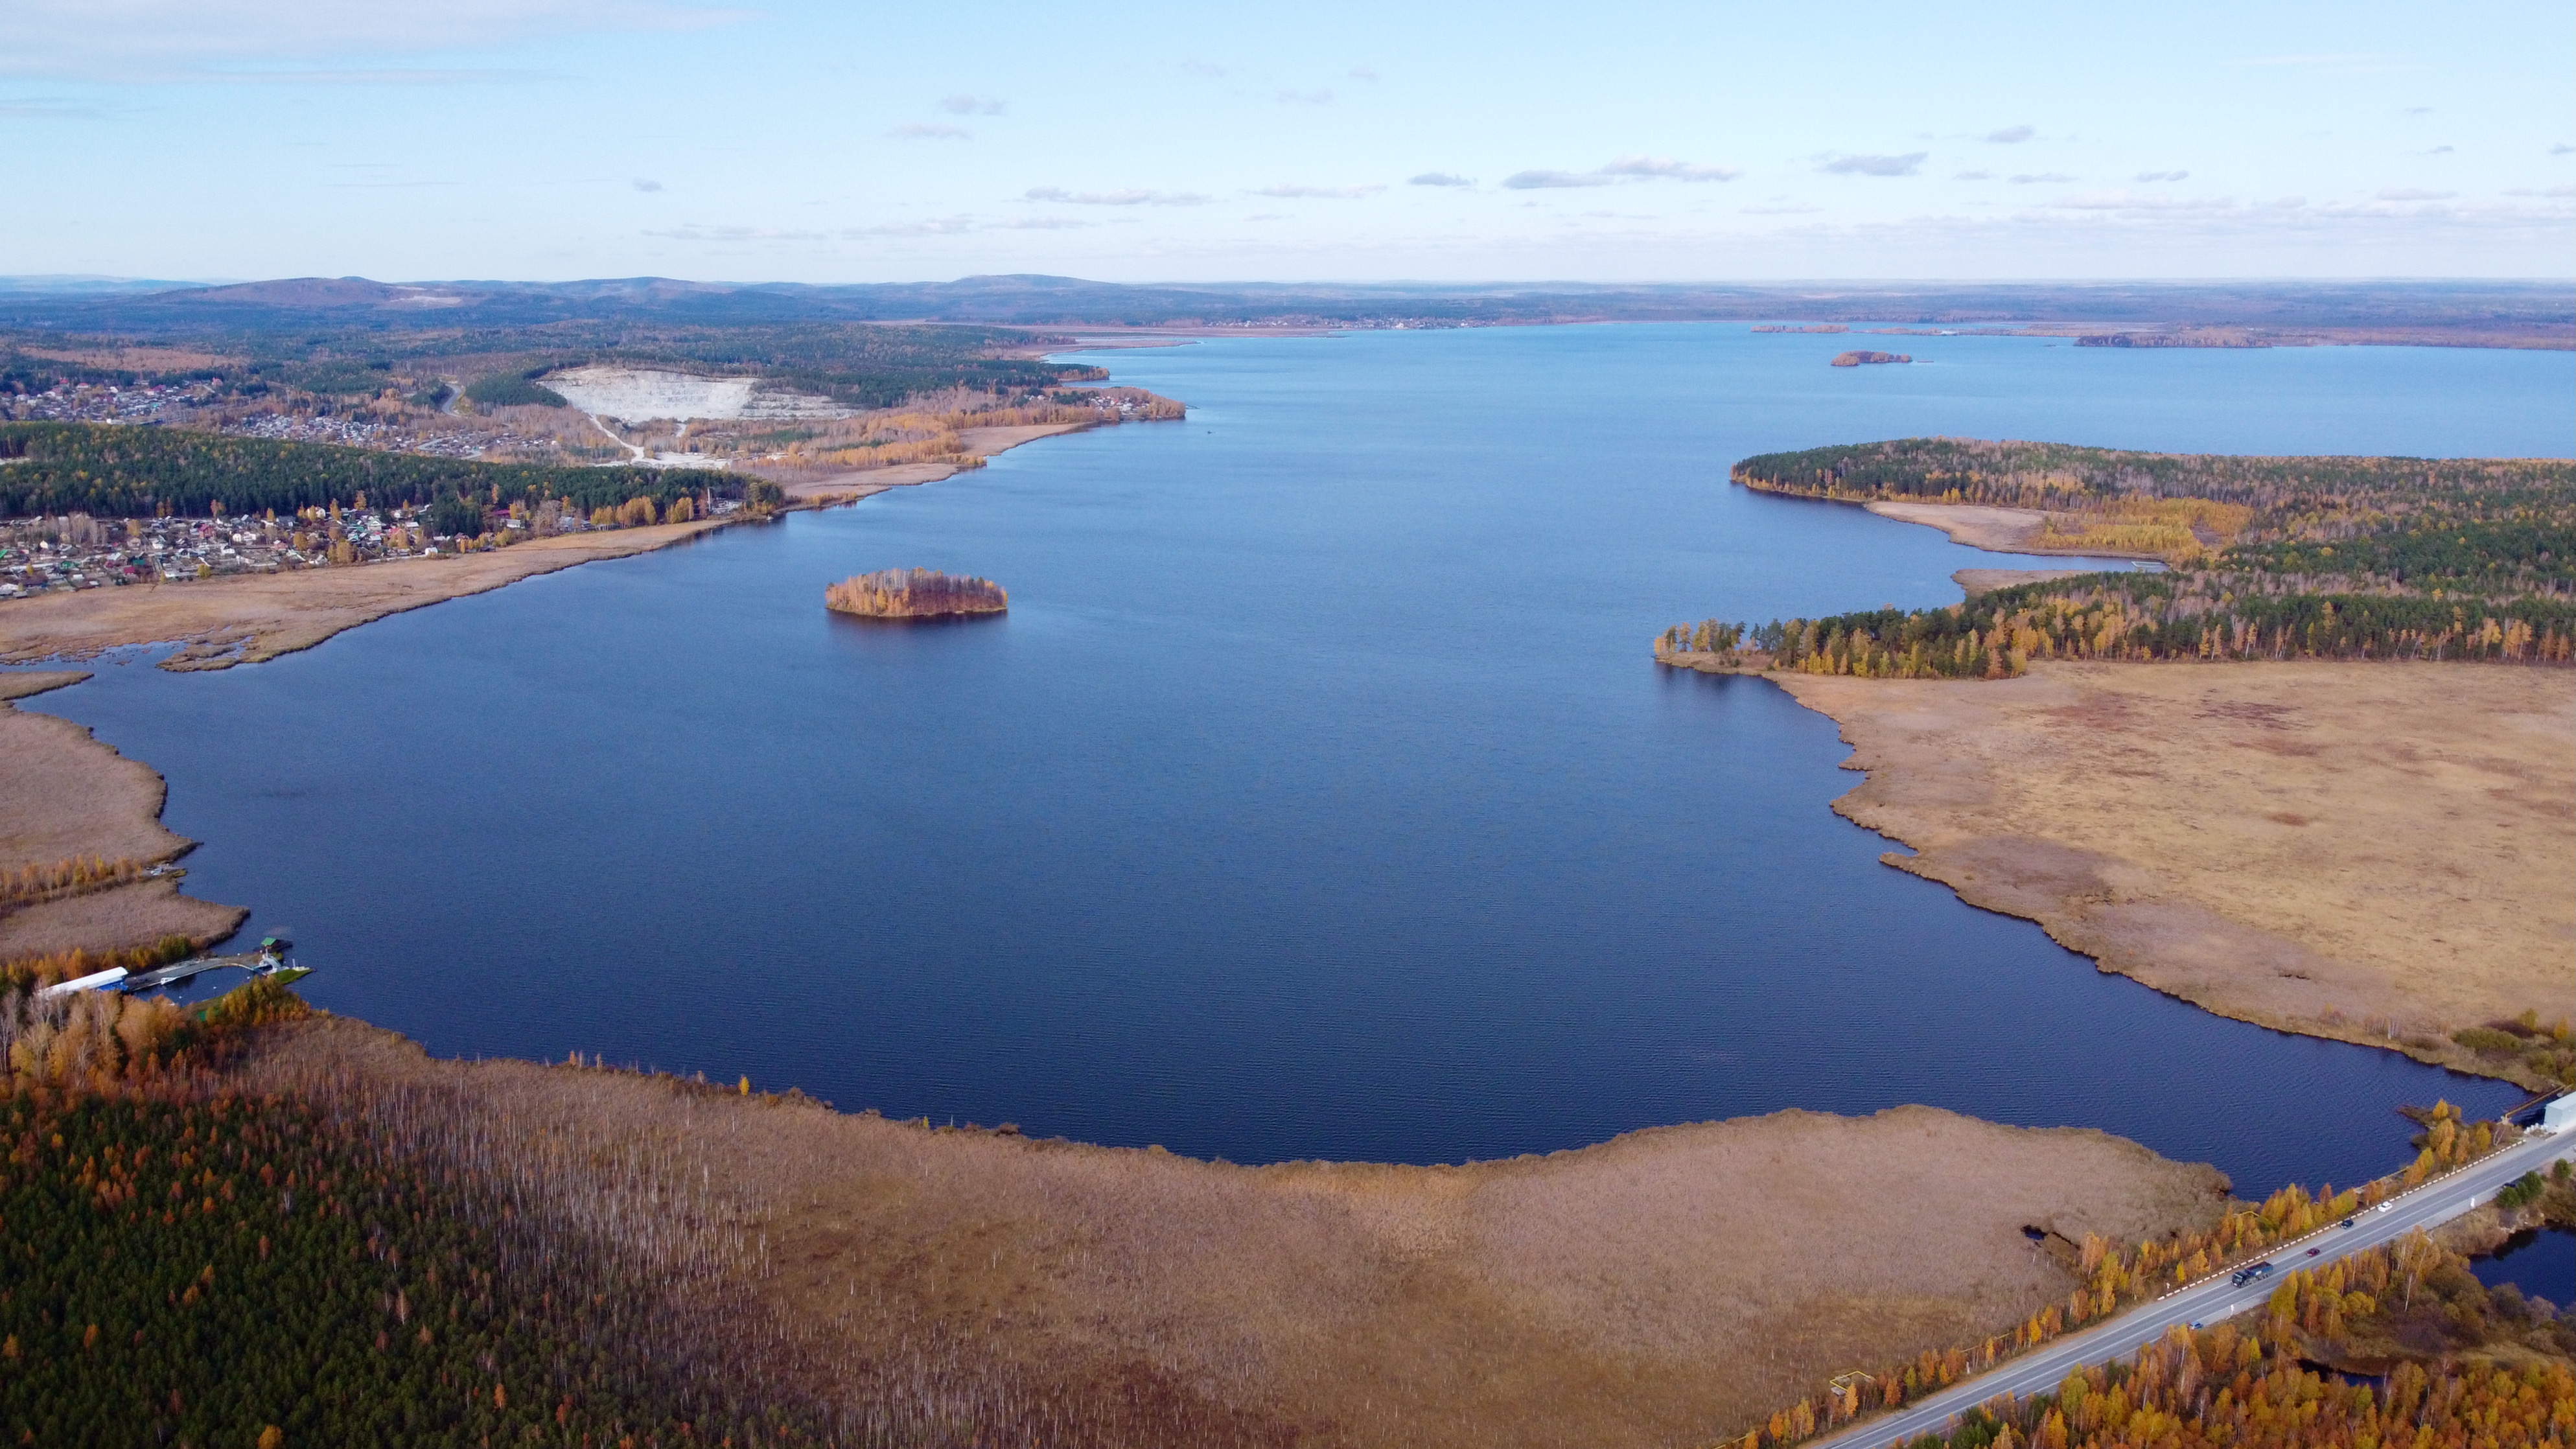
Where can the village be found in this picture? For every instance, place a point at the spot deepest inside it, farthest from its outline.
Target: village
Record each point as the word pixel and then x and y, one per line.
pixel 78 551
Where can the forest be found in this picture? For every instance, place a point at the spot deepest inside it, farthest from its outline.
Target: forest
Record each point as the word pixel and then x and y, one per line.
pixel 129 472
pixel 2268 558
pixel 857 364
pixel 182 1261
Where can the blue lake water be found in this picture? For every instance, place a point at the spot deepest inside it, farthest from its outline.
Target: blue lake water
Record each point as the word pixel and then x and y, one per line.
pixel 2541 1262
pixel 1316 798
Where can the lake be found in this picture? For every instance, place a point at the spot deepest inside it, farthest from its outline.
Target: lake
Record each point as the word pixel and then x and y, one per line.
pixel 1317 797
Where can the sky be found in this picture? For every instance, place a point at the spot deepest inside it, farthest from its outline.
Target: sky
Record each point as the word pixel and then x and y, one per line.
pixel 855 142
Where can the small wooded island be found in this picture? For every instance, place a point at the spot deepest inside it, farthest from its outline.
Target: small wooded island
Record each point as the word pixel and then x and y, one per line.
pixel 1857 359
pixel 915 594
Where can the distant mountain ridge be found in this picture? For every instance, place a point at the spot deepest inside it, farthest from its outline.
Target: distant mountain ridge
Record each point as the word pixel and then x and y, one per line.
pixel 2487 312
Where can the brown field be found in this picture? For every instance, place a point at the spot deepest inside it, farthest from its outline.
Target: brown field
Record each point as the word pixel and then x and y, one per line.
pixel 1664 1288
pixel 2374 852
pixel 245 619
pixel 849 487
pixel 62 795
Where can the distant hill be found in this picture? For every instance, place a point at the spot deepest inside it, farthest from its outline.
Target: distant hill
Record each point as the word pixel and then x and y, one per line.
pixel 2522 314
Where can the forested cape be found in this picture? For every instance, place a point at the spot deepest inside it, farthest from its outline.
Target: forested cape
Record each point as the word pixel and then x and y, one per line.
pixel 2268 558
pixel 114 471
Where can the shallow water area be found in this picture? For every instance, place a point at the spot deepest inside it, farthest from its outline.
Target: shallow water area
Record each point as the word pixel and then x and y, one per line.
pixel 1316 798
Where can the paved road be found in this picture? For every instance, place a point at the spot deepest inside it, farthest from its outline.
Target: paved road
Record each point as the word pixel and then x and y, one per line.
pixel 2211 1301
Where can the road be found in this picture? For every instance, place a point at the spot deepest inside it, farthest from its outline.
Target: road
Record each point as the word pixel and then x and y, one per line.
pixel 2208 1302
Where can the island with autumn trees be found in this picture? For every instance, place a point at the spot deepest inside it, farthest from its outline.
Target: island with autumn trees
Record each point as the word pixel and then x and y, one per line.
pixel 915 594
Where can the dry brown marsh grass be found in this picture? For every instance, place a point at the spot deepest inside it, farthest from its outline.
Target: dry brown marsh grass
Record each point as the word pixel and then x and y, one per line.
pixel 1663 1288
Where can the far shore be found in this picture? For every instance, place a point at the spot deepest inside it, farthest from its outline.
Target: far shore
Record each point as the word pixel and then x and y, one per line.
pixel 247 619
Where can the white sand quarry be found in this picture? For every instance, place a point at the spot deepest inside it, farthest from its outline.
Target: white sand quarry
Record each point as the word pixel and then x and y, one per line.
pixel 635 394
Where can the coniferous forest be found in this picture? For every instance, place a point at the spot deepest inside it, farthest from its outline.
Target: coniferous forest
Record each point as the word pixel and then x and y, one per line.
pixel 2266 558
pixel 126 472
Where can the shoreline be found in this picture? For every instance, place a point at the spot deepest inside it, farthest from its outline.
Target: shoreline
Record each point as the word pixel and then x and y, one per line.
pixel 250 619
pixel 2246 912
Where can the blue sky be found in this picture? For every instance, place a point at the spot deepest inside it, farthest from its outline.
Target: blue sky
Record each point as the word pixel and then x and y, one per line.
pixel 586 138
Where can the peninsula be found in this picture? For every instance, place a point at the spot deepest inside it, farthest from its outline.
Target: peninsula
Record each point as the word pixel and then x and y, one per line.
pixel 2337 808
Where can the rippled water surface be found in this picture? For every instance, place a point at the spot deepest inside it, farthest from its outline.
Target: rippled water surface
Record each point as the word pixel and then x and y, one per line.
pixel 1316 798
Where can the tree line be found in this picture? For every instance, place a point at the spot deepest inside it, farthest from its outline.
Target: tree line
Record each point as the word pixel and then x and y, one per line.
pixel 2114 1278
pixel 2273 558
pixel 141 472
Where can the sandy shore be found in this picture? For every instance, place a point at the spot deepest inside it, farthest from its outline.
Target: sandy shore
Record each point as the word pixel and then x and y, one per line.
pixel 2005 530
pixel 868 482
pixel 1973 582
pixel 243 620
pixel 2374 852
pixel 65 795
pixel 1664 1288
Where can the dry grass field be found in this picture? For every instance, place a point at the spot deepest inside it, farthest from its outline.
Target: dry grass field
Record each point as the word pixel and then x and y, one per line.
pixel 1664 1288
pixel 65 795
pixel 2376 852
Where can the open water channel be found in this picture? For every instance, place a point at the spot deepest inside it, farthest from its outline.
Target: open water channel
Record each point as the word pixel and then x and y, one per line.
pixel 1317 798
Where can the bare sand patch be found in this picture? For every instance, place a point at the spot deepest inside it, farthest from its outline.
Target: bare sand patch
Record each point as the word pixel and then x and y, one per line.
pixel 246 619
pixel 640 393
pixel 2373 852
pixel 1663 1288
pixel 2005 530
pixel 1973 582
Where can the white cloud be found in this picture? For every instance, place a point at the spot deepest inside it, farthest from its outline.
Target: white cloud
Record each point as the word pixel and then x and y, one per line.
pixel 1847 165
pixel 641 184
pixel 2154 176
pixel 2010 135
pixel 1779 210
pixel 2039 178
pixel 1364 73
pixel 1547 180
pixel 1625 168
pixel 2131 201
pixel 1439 178
pixel 187 39
pixel 1665 166
pixel 2561 149
pixel 1209 69
pixel 1334 193
pixel 736 234
pixel 2567 190
pixel 963 105
pixel 929 131
pixel 1130 196
pixel 2413 193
